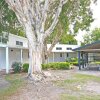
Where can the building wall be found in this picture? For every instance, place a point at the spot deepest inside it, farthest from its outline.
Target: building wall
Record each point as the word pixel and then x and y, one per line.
pixel 14 56
pixel 14 38
pixel 25 56
pixel 61 57
pixel 2 58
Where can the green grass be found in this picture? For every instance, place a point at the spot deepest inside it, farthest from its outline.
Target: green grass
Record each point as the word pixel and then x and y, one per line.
pixel 81 97
pixel 15 84
pixel 75 86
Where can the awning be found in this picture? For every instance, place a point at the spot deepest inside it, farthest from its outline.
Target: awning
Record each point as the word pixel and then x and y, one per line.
pixel 89 48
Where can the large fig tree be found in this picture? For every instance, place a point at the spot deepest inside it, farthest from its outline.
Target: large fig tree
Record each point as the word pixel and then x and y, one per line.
pixel 41 18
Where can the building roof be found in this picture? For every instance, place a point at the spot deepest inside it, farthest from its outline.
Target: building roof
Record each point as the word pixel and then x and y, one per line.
pixel 93 47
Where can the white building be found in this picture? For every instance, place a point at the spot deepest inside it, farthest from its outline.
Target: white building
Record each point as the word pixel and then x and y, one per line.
pixel 16 50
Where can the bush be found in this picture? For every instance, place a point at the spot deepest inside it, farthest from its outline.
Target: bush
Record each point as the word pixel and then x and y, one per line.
pixel 25 67
pixel 74 63
pixel 17 66
pixel 56 66
pixel 72 60
pixel 96 62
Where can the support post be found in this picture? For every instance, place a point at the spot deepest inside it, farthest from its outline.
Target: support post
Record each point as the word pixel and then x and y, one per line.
pixel 82 60
pixel 21 55
pixel 79 60
pixel 53 56
pixel 7 60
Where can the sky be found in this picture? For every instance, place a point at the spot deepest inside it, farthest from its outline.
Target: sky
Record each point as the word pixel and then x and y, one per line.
pixel 95 24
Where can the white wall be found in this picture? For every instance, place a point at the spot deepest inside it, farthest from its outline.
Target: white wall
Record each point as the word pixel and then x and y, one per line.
pixel 14 38
pixel 14 56
pixel 63 46
pixel 58 58
pixel 2 58
pixel 25 56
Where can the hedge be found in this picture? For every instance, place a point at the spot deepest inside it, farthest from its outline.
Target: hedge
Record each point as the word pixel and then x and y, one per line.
pixel 25 67
pixel 74 63
pixel 54 66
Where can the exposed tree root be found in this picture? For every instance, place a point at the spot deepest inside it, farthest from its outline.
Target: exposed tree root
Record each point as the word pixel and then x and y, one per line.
pixel 38 77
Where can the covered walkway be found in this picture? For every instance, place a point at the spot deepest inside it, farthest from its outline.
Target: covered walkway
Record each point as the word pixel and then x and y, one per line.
pixel 89 55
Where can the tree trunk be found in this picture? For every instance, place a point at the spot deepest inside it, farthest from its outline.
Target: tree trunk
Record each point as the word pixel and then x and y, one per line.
pixel 35 51
pixel 35 59
pixel 44 54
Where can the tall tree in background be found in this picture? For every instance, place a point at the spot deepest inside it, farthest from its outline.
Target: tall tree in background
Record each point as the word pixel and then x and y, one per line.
pixel 92 37
pixel 8 20
pixel 41 18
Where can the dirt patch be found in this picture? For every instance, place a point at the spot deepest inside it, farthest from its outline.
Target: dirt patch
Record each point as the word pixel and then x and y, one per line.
pixel 47 90
pixel 92 87
pixel 44 90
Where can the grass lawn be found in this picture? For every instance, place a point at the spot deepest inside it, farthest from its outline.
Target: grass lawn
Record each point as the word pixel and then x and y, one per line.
pixel 15 81
pixel 75 89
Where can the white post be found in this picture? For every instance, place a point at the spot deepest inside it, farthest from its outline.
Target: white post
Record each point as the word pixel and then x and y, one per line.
pixel 53 57
pixel 65 56
pixel 21 55
pixel 7 60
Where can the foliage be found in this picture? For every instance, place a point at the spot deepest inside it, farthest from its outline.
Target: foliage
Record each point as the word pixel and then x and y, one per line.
pixel 68 39
pixel 92 37
pixel 72 59
pixel 95 35
pixel 56 66
pixel 25 67
pixel 8 20
pixel 76 14
pixel 74 63
pixel 17 66
pixel 95 62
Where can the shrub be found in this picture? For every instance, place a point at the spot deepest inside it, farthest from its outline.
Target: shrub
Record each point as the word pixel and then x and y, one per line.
pixel 96 62
pixel 17 67
pixel 72 60
pixel 56 65
pixel 25 67
pixel 74 63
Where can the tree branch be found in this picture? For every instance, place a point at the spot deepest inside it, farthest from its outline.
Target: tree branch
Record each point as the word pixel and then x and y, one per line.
pixel 55 21
pixel 44 15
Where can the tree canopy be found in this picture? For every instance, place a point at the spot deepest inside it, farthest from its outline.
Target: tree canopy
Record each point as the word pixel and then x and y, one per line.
pixel 75 13
pixel 8 20
pixel 92 36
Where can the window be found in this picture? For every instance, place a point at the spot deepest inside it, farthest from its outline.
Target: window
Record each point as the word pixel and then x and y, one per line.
pixel 19 43
pixel 58 48
pixel 69 48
